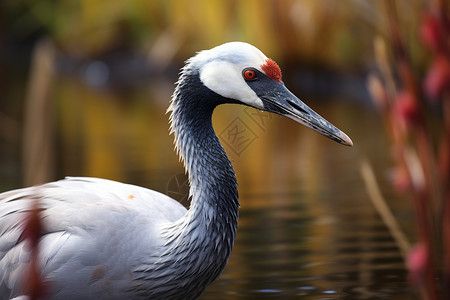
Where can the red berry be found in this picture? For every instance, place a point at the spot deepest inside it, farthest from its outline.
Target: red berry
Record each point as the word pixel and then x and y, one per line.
pixel 431 32
pixel 407 109
pixel 437 79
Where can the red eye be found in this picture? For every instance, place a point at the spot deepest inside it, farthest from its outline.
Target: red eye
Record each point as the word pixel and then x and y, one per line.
pixel 249 74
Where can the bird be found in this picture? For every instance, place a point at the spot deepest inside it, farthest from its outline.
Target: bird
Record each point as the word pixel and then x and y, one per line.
pixel 102 239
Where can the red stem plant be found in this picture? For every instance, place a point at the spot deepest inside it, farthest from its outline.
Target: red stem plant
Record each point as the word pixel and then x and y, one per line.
pixel 33 285
pixel 420 171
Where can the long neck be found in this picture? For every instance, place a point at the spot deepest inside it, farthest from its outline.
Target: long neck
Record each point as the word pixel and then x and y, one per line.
pixel 204 237
pixel 213 185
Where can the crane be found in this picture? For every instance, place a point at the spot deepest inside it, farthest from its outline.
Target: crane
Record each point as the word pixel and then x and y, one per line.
pixel 103 239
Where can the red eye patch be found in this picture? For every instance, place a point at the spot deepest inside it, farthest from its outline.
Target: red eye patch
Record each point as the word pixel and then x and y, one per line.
pixel 272 70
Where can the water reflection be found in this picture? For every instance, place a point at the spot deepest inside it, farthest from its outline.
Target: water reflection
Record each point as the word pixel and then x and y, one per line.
pixel 297 250
pixel 307 227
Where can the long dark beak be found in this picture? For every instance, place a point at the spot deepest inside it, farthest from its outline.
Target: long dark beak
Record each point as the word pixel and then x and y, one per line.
pixel 278 99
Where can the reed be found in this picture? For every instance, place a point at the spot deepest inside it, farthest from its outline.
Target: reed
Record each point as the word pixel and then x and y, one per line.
pixel 38 154
pixel 422 170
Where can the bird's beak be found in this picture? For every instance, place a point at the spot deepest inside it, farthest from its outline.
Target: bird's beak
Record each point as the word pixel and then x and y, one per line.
pixel 278 99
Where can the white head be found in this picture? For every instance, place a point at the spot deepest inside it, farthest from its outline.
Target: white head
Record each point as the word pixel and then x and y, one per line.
pixel 221 69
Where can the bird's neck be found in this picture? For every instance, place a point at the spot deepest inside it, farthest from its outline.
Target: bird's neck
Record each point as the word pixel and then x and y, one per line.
pixel 213 185
pixel 209 227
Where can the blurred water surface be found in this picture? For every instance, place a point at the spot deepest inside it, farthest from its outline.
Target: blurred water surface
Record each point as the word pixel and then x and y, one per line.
pixel 307 228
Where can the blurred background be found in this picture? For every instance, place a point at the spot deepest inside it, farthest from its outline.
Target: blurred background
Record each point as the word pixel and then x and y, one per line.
pixel 84 90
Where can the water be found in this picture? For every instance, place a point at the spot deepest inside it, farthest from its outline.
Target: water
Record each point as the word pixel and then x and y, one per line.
pixel 301 250
pixel 307 228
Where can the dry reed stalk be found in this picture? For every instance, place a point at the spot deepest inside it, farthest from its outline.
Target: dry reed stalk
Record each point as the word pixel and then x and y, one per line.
pixel 383 209
pixel 38 153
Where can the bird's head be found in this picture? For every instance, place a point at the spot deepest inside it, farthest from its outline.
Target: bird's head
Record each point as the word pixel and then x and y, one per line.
pixel 242 73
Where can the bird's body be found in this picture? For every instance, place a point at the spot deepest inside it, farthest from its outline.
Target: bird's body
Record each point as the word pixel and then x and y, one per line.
pixel 93 230
pixel 107 240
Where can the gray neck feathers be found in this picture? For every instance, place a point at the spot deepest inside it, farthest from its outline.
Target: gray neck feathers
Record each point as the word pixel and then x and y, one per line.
pixel 202 240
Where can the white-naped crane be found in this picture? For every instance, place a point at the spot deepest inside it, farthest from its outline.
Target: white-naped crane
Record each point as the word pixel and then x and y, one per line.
pixel 103 239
